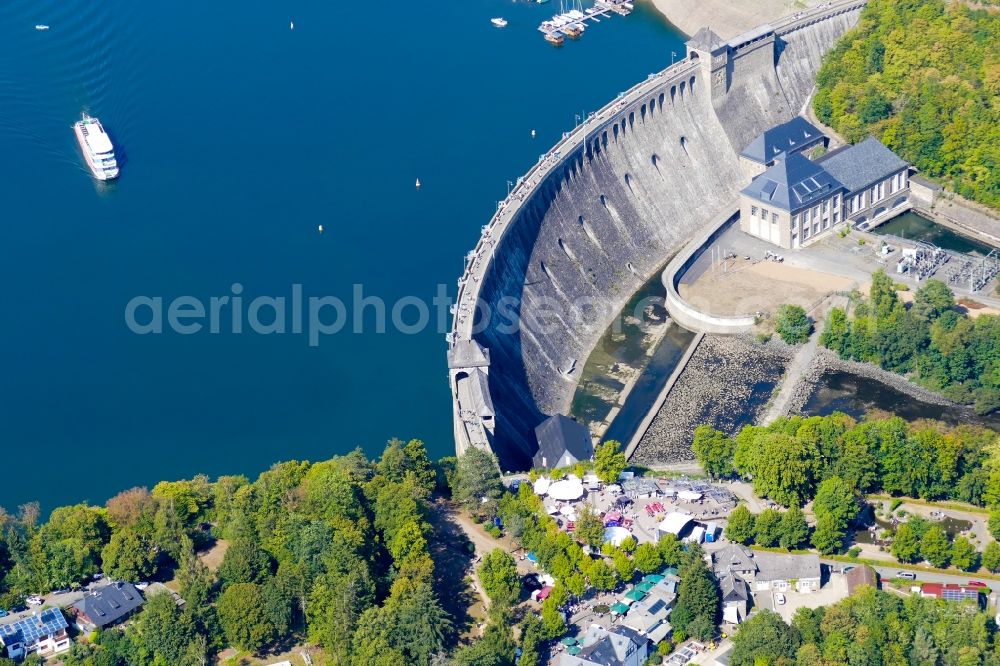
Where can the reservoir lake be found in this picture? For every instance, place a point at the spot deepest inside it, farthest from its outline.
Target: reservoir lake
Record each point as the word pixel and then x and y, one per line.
pixel 238 138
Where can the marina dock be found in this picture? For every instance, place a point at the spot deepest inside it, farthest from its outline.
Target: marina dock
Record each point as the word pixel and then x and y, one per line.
pixel 573 23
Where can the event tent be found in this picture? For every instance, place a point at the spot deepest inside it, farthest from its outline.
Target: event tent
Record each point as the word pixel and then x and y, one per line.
pixel 566 490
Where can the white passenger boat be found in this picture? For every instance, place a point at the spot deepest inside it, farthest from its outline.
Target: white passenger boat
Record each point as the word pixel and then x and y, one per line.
pixel 499 22
pixel 96 147
pixel 41 26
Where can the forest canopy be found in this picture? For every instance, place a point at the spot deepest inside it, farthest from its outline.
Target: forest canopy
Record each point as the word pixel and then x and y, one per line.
pixel 924 77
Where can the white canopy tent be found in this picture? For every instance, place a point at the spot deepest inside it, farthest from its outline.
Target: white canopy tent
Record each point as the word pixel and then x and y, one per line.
pixel 674 523
pixel 567 490
pixel 541 485
pixel 615 535
pixel 689 495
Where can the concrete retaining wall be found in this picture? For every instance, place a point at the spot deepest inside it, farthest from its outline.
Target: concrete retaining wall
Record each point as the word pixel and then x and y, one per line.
pixel 683 312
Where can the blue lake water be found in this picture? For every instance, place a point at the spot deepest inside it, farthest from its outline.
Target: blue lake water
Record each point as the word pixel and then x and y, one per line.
pixel 239 137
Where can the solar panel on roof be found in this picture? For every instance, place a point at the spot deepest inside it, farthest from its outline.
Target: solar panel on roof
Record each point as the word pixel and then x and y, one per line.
pixel 658 606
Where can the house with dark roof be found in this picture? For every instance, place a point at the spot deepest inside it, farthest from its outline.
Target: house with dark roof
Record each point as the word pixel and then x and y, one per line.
pixel 617 646
pixel 733 559
pixel 876 179
pixel 779 572
pixel 792 201
pixel 562 442
pixel 107 606
pixel 42 633
pixel 735 595
pixel 795 201
pixel 795 136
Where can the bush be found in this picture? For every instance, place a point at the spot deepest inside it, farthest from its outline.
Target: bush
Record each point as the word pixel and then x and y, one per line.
pixel 895 504
pixel 793 325
pixel 853 551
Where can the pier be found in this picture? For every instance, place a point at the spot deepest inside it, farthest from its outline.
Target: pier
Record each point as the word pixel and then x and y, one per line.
pixel 572 23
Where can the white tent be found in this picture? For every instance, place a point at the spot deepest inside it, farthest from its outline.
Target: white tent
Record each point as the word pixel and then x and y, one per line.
pixel 614 489
pixel 615 535
pixel 689 495
pixel 568 511
pixel 542 485
pixel 674 523
pixel 566 490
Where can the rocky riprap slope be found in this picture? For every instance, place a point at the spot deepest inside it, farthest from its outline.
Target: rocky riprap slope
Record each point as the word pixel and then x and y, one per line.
pixel 727 384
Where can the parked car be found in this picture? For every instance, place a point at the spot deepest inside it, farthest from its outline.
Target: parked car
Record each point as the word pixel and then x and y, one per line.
pixel 779 598
pixel 35 601
pixel 98 576
pixel 906 575
pixel 847 568
pixel 65 591
pixel 141 586
pixel 977 583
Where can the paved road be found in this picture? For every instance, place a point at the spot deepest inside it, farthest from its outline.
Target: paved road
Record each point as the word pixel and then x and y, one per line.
pixel 889 572
pixel 51 600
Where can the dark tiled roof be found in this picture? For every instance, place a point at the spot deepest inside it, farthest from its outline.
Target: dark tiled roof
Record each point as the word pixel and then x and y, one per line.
pixel 612 649
pixel 733 588
pixel 779 566
pixel 787 137
pixel 560 434
pixel 792 183
pixel 862 165
pixel 109 604
pixel 733 557
pixel 706 40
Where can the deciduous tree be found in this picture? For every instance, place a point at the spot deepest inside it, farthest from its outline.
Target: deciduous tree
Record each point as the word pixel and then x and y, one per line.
pixel 741 525
pixel 609 461
pixel 714 450
pixel 498 574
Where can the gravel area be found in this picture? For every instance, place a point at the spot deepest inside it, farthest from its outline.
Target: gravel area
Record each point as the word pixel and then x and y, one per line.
pixel 728 383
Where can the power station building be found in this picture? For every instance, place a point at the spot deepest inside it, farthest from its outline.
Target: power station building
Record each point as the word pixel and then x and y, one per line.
pixel 795 200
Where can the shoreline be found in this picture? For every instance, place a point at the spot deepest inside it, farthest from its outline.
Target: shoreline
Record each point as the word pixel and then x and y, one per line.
pixel 725 18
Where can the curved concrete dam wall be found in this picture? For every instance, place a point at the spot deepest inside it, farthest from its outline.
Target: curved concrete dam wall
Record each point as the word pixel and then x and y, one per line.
pixel 603 211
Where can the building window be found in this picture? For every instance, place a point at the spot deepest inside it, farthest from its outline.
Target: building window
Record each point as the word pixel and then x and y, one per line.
pixel 753 211
pixel 763 214
pixel 836 216
pixel 774 218
pixel 826 206
pixel 873 195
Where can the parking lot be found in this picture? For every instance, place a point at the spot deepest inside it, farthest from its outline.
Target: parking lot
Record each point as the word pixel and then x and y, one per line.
pixel 833 590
